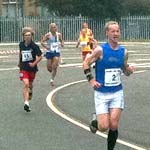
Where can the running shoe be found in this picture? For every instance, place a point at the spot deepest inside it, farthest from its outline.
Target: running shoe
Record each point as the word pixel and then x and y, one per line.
pixel 27 108
pixel 52 82
pixel 30 93
pixel 94 124
pixel 93 65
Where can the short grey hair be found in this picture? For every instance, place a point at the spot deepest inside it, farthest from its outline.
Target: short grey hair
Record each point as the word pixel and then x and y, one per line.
pixel 52 24
pixel 110 23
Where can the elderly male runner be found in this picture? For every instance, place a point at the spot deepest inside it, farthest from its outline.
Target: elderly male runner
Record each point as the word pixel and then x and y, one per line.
pixel 111 60
pixel 53 45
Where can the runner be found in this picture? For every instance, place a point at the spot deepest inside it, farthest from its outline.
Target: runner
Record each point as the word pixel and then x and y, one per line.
pixel 29 56
pixel 111 59
pixel 89 33
pixel 85 42
pixel 53 46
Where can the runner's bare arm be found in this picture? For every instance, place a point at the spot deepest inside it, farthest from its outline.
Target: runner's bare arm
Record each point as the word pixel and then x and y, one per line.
pixel 94 41
pixel 61 40
pixel 19 63
pixel 38 59
pixel 127 70
pixel 44 39
pixel 78 43
pixel 91 34
pixel 96 54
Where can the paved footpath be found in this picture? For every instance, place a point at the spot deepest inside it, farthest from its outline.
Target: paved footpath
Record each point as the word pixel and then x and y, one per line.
pixel 42 129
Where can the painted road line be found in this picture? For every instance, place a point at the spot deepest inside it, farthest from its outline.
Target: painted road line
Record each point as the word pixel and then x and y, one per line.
pixel 71 65
pixel 8 69
pixel 53 107
pixel 3 56
pixel 142 59
pixel 80 65
pixel 140 71
pixel 139 54
pixel 62 66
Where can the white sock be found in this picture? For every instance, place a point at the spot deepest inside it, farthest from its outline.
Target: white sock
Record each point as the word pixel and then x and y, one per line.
pixel 51 80
pixel 26 102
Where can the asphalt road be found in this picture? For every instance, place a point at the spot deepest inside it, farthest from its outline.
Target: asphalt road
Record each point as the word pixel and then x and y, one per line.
pixel 42 129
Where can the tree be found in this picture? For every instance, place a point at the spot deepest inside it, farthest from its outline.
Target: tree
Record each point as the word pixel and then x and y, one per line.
pixel 136 7
pixel 102 9
pixel 91 8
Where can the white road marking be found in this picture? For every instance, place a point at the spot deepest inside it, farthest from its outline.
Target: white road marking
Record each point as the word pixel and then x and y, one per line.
pixel 140 71
pixel 3 56
pixel 50 103
pixel 8 69
pixel 78 123
pixel 71 65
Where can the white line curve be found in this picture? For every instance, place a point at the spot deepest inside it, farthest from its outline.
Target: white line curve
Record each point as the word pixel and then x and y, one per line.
pixel 78 123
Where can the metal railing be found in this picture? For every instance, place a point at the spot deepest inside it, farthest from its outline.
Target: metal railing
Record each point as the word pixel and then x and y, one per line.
pixel 134 28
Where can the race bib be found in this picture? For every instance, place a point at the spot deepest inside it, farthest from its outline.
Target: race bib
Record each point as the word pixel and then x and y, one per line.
pixel 26 56
pixel 112 77
pixel 83 43
pixel 55 47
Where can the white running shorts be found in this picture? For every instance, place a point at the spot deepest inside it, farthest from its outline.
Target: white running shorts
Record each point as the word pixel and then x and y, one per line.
pixel 105 101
